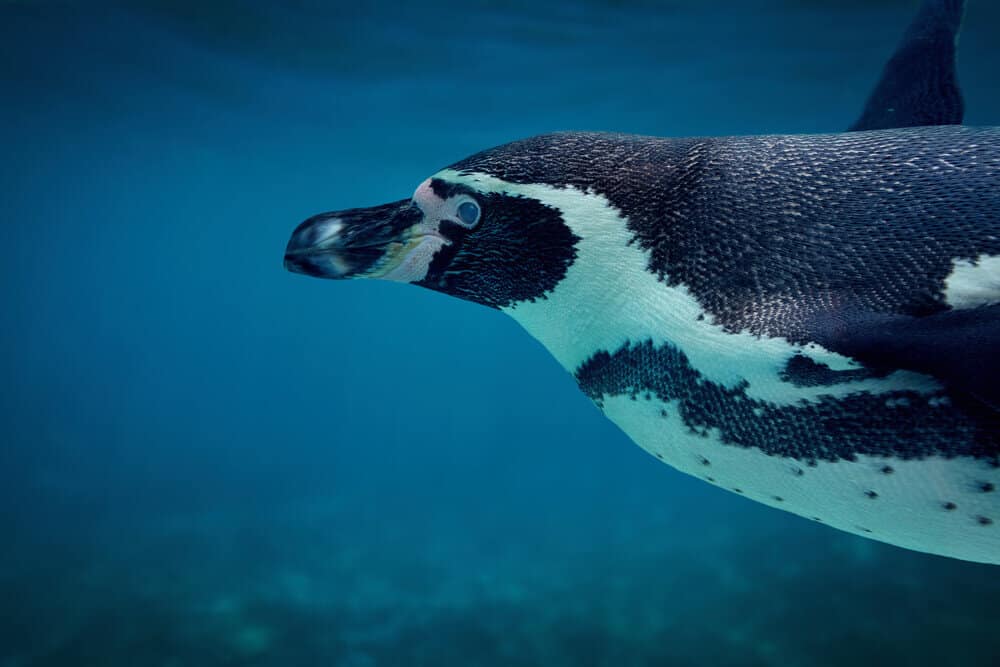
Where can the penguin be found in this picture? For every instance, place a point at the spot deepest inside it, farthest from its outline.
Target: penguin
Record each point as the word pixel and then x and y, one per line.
pixel 812 321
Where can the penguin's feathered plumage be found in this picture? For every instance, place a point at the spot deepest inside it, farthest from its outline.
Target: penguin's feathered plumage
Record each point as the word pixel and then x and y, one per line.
pixel 812 321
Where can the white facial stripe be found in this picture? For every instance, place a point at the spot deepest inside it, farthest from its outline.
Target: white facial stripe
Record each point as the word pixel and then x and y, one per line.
pixel 973 284
pixel 909 508
pixel 608 298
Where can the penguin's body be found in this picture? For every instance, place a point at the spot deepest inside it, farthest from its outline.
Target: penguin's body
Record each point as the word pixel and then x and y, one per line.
pixel 811 321
pixel 702 317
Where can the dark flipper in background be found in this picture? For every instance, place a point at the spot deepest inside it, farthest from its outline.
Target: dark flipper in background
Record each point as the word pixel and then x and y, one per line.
pixel 958 347
pixel 918 85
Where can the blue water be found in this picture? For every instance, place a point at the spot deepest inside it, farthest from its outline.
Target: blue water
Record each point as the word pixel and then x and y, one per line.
pixel 206 460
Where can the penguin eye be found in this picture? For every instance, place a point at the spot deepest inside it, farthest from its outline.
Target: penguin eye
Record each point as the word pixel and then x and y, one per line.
pixel 468 213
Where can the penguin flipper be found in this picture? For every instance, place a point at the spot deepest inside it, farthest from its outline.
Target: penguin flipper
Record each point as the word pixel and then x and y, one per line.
pixel 919 85
pixel 960 348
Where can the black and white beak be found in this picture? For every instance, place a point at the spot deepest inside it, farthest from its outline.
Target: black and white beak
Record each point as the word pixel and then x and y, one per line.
pixel 355 243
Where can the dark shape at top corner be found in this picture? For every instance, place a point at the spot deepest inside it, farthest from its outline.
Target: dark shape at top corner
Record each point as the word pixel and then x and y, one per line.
pixel 919 85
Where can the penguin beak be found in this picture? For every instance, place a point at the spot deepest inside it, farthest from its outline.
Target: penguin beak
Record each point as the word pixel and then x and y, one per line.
pixel 354 243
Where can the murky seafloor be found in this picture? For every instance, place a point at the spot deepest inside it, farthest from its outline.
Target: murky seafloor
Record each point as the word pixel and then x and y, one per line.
pixel 206 460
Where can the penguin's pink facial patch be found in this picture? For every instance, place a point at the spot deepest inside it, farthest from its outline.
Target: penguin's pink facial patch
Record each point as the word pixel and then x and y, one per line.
pixel 434 207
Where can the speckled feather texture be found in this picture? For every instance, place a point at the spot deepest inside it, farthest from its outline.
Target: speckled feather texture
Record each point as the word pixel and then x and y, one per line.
pixel 696 313
pixel 766 231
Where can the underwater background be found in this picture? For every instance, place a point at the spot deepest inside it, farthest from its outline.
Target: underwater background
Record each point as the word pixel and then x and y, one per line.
pixel 205 460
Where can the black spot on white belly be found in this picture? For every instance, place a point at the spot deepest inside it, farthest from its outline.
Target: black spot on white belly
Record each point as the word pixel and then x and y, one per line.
pixel 828 429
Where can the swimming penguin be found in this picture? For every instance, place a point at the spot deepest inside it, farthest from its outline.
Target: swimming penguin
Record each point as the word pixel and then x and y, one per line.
pixel 812 321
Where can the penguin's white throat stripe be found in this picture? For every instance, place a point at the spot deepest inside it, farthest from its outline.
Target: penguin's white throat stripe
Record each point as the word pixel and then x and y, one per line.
pixel 610 297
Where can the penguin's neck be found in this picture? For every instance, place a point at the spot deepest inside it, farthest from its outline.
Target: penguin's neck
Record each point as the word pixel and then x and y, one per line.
pixel 608 295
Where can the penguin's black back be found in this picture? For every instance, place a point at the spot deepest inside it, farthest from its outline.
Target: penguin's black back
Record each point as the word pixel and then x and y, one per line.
pixel 771 232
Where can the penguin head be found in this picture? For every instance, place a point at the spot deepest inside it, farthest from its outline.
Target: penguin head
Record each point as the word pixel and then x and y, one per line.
pixel 455 235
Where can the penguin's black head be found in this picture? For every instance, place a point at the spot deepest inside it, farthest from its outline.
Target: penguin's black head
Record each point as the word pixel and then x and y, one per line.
pixel 468 237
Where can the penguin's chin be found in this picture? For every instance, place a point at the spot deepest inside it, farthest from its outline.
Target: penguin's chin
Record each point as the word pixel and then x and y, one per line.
pixel 407 261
